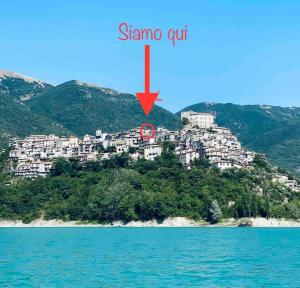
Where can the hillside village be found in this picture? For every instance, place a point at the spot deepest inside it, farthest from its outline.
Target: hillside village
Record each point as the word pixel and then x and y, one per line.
pixel 200 137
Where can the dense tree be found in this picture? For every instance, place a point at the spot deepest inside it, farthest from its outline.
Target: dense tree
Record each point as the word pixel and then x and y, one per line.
pixel 185 121
pixel 121 190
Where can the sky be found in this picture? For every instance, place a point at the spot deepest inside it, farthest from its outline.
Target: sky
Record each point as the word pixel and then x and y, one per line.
pixel 243 52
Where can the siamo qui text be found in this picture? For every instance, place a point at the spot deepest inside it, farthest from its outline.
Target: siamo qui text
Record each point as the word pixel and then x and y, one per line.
pixel 129 33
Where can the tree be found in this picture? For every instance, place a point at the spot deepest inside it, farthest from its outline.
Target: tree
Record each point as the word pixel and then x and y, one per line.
pixel 61 166
pixel 115 197
pixel 168 146
pixel 185 121
pixel 132 150
pixel 4 159
pixel 118 161
pixel 215 213
pixel 202 162
pixel 260 160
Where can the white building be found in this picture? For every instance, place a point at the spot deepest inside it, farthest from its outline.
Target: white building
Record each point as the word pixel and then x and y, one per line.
pixel 222 164
pixel 217 144
pixel 289 183
pixel 152 151
pixel 186 157
pixel 202 120
pixel 33 169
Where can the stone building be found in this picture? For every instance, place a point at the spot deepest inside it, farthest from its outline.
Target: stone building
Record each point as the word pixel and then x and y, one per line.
pixel 200 120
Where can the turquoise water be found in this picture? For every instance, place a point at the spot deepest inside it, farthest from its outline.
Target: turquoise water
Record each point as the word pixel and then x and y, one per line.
pixel 149 257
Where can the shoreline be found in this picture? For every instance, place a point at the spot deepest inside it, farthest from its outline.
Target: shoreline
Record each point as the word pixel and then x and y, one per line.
pixel 169 222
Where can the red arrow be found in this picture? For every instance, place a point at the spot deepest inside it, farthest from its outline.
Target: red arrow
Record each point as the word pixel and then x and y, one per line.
pixel 147 98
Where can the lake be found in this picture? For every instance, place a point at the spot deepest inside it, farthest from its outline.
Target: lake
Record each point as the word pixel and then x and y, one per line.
pixel 149 257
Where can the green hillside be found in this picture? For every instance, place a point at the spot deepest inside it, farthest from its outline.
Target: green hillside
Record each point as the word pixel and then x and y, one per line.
pixel 269 129
pixel 83 108
pixel 29 106
pixel 16 119
pixel 121 190
pixel 19 86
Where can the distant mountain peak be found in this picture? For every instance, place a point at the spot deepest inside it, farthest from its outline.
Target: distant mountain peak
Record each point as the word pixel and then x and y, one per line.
pixel 210 103
pixel 265 107
pixel 93 85
pixel 9 74
pixel 19 86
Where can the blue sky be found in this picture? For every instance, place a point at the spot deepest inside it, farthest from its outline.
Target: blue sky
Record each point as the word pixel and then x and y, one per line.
pixel 244 52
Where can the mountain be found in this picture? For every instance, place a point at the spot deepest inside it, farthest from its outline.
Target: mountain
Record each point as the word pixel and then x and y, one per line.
pixel 30 106
pixel 20 86
pixel 83 108
pixel 272 130
pixel 16 119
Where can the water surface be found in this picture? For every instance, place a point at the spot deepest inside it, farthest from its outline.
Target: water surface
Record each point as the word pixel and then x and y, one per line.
pixel 149 257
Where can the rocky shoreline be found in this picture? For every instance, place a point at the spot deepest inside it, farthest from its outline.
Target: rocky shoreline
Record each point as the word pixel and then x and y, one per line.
pixel 169 222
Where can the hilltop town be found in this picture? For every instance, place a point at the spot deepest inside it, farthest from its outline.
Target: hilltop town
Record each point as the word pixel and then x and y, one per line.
pixel 199 138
